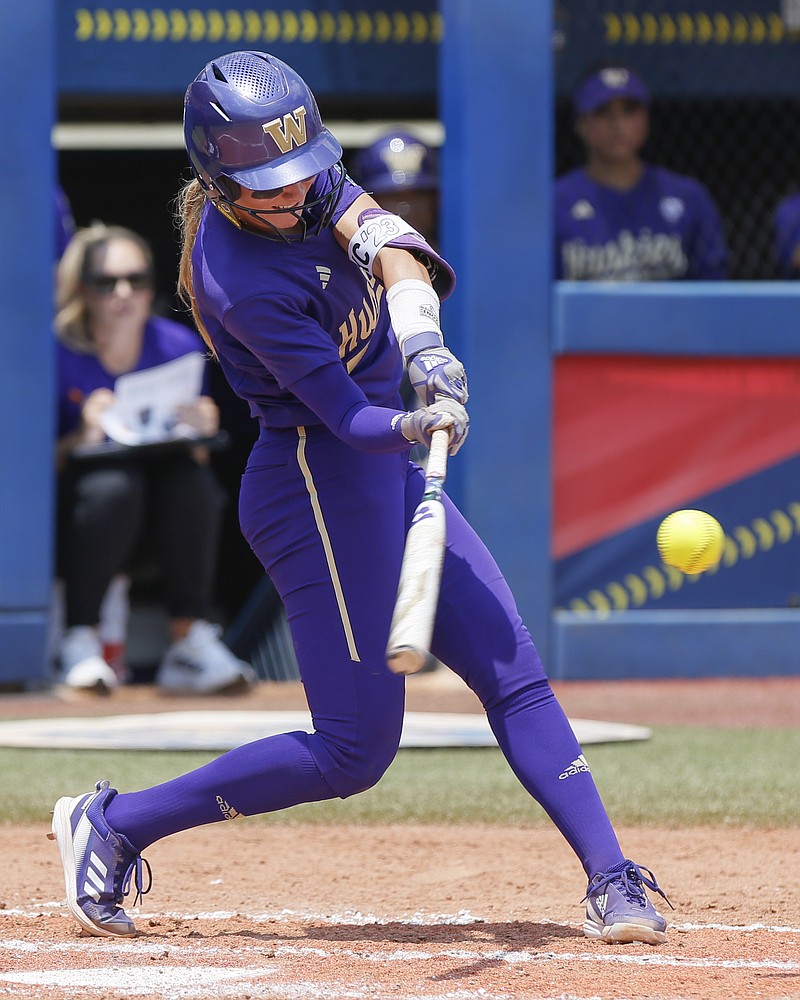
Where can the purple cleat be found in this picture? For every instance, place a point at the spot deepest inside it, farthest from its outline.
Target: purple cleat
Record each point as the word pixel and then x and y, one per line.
pixel 98 863
pixel 618 910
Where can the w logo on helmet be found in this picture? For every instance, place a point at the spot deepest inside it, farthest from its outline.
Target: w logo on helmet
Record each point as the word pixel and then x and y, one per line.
pixel 289 131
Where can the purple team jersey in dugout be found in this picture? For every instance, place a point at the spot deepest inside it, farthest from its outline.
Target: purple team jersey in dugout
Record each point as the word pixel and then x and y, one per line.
pixel 80 374
pixel 666 227
pixel 787 234
pixel 278 311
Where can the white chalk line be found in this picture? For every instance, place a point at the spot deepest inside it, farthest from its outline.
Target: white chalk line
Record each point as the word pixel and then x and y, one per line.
pixel 174 982
pixel 179 981
pixel 186 986
pixel 171 984
pixel 349 917
pixel 651 958
pixel 359 919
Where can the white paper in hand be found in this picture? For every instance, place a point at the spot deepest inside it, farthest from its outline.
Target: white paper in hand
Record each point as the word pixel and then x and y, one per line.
pixel 146 402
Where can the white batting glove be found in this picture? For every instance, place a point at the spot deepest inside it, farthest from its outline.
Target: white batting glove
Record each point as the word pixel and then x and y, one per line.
pixel 445 414
pixel 437 372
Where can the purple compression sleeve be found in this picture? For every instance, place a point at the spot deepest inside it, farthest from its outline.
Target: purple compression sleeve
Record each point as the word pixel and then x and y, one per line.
pixel 344 409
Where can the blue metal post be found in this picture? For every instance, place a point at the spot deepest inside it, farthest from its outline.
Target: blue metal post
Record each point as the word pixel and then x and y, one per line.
pixel 496 104
pixel 27 70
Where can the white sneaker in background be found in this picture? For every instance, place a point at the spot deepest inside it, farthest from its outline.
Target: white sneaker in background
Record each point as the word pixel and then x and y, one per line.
pixel 80 655
pixel 201 664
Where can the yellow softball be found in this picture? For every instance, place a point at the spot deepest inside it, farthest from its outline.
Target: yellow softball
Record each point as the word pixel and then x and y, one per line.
pixel 690 540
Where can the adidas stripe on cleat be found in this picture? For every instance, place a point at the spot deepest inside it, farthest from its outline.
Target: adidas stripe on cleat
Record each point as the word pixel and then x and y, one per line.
pixel 618 910
pixel 98 863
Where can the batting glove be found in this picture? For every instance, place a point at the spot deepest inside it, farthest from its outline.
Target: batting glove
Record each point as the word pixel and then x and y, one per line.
pixel 446 414
pixel 436 372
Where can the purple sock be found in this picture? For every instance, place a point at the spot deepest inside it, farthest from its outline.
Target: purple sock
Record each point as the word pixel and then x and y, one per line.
pixel 262 776
pixel 538 742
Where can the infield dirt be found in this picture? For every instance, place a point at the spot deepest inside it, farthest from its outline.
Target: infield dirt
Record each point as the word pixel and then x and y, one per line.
pixel 250 910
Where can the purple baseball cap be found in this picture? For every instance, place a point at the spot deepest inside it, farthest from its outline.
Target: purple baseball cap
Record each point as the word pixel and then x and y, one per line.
pixel 608 84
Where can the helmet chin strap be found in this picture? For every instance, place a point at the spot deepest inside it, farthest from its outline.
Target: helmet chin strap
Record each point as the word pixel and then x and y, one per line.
pixel 253 221
pixel 257 221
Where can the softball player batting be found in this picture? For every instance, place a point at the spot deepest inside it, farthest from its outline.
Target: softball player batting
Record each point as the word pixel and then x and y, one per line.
pixel 315 338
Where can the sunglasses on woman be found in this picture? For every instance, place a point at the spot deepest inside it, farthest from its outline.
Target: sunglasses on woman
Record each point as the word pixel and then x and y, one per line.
pixel 106 284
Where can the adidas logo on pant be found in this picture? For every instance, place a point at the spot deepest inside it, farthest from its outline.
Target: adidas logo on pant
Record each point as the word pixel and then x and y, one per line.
pixel 576 767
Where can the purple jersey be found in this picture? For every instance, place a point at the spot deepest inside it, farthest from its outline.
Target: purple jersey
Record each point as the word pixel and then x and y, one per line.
pixel 80 374
pixel 666 227
pixel 278 311
pixel 787 235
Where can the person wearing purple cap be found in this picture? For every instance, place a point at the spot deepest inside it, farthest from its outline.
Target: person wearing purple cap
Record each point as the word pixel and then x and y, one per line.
pixel 402 172
pixel 619 218
pixel 315 333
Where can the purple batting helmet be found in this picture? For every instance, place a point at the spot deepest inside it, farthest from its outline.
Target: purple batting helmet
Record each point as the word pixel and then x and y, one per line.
pixel 398 160
pixel 251 121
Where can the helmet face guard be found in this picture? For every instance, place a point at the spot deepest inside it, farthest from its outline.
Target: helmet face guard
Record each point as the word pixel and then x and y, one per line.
pixel 311 217
pixel 251 122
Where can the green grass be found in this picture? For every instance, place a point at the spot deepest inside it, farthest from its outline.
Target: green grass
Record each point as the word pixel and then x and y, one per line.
pixel 682 777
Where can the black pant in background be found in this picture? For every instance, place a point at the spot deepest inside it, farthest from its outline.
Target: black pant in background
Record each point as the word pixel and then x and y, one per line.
pixel 168 507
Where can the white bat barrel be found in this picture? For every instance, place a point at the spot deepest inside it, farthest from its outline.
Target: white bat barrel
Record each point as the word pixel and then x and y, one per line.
pixel 418 591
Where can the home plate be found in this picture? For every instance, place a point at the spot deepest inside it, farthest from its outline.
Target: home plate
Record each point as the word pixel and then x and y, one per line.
pixel 223 730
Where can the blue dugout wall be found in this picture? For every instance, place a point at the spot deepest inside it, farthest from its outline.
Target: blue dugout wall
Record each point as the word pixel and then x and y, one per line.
pixel 27 70
pixel 507 319
pixel 512 323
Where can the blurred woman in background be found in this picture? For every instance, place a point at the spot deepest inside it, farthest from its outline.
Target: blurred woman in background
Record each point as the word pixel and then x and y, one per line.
pixel 109 505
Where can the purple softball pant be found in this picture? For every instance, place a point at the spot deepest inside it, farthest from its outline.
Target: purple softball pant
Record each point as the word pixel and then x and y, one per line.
pixel 329 523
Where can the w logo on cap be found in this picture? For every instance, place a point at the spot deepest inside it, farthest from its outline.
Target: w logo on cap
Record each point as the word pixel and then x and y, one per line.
pixel 289 131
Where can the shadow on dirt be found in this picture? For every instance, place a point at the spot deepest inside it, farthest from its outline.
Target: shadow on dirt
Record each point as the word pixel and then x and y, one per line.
pixel 508 936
